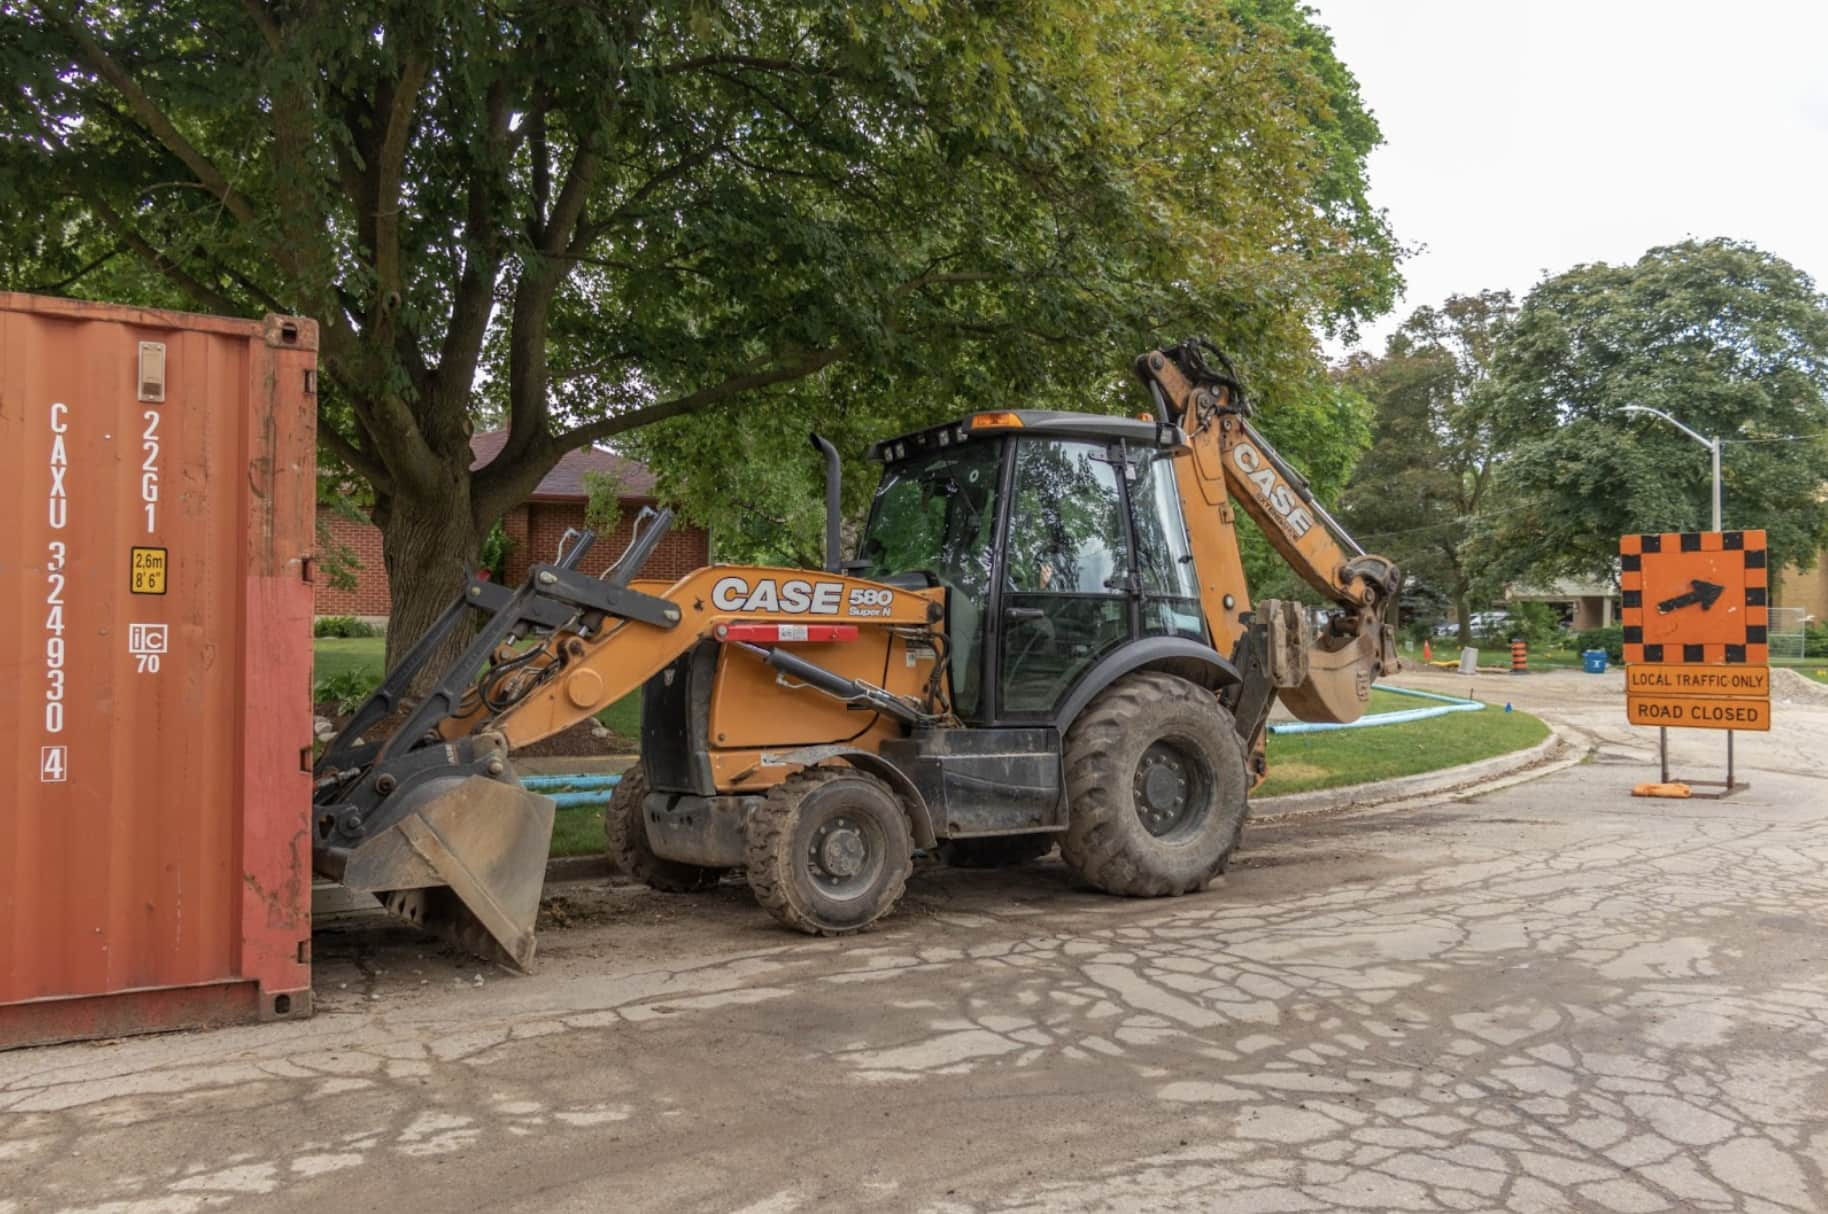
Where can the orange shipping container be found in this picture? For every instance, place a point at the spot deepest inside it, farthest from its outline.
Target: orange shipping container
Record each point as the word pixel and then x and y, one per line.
pixel 157 488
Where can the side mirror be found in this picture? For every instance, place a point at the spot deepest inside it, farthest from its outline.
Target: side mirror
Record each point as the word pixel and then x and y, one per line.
pixel 834 541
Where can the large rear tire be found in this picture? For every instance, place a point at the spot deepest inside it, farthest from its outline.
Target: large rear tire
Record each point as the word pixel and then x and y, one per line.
pixel 1156 777
pixel 625 832
pixel 997 851
pixel 828 851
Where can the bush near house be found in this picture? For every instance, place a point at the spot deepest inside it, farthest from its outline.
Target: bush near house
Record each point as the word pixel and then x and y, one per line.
pixel 1612 640
pixel 342 626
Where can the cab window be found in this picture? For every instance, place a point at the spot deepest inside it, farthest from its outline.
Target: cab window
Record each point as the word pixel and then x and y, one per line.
pixel 1066 569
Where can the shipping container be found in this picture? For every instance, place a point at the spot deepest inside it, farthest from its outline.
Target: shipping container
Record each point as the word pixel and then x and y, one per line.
pixel 157 491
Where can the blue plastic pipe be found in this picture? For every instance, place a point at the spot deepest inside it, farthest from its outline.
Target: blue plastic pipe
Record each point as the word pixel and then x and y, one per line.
pixel 579 800
pixel 547 783
pixel 1447 704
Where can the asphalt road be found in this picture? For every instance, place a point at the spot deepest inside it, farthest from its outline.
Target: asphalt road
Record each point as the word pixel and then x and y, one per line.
pixel 1550 997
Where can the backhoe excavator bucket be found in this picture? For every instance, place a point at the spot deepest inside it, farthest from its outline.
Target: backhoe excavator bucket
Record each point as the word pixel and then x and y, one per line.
pixel 467 860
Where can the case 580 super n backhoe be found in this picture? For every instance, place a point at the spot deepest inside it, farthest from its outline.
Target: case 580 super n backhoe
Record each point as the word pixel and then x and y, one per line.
pixel 1046 637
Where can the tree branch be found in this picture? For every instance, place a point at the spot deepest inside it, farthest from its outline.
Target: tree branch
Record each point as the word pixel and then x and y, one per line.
pixel 704 398
pixel 151 115
pixel 263 21
pixel 568 209
pixel 51 288
pixel 755 61
pixel 205 295
pixel 389 172
pixel 356 458
pixel 506 480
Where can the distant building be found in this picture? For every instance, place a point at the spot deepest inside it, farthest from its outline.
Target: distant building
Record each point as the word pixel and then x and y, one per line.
pixel 1585 604
pixel 1805 591
pixel 535 527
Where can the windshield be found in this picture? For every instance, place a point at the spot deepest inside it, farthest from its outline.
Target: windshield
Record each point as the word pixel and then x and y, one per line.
pixel 937 513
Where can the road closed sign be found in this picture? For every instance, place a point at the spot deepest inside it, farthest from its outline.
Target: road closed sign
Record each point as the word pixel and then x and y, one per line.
pixel 1694 613
pixel 1698 712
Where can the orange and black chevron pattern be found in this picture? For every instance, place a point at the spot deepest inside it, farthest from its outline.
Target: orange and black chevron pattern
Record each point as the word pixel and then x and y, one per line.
pixel 1666 581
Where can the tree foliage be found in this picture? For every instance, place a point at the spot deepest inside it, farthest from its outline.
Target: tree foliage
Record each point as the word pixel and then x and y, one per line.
pixel 588 218
pixel 1428 478
pixel 1729 339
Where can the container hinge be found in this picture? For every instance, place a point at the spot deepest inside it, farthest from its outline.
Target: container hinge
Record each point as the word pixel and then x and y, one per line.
pixel 310 381
pixel 307 569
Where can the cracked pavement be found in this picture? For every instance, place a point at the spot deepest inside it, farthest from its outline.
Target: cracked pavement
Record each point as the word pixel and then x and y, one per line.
pixel 1549 997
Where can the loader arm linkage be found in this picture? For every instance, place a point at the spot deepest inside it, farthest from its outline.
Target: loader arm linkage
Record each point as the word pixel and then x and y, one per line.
pixel 1321 675
pixel 430 816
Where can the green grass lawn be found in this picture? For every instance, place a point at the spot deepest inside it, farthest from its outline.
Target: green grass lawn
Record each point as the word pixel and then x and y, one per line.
pixel 1304 762
pixel 578 832
pixel 339 655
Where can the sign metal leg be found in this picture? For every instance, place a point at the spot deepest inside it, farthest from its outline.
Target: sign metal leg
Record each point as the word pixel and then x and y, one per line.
pixel 1663 751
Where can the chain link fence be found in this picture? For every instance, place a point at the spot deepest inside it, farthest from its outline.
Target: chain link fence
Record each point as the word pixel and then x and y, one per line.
pixel 1786 633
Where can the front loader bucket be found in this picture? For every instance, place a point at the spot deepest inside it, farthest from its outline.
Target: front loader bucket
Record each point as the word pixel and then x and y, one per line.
pixel 468 861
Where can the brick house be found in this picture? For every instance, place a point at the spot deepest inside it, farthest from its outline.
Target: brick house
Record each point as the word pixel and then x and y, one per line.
pixel 535 527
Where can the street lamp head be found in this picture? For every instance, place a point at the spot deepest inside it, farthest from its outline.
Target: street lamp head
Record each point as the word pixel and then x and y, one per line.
pixel 1688 430
pixel 1712 444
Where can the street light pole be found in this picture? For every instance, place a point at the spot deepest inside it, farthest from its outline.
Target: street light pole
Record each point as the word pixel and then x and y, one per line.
pixel 1712 445
pixel 1713 450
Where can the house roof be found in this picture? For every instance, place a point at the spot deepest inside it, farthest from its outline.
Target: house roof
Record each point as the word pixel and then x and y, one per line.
pixel 565 482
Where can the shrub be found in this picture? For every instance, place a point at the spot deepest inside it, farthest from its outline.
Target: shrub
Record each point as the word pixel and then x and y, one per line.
pixel 342 693
pixel 342 626
pixel 496 547
pixel 1815 641
pixel 1612 640
pixel 1536 623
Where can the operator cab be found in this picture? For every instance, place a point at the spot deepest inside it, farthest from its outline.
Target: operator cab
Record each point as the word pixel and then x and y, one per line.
pixel 1059 538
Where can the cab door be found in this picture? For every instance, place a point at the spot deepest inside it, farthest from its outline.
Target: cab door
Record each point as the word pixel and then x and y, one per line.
pixel 1068 578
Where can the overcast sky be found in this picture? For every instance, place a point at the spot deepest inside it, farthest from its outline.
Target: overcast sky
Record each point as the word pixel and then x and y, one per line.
pixel 1528 136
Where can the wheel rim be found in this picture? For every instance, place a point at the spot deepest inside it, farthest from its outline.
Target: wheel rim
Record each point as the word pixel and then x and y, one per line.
pixel 844 855
pixel 1172 788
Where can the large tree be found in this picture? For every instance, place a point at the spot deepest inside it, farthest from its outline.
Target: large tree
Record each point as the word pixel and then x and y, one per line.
pixel 1427 479
pixel 1731 340
pixel 589 217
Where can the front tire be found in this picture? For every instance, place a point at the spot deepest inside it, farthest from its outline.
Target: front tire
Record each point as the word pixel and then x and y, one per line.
pixel 1156 775
pixel 828 851
pixel 625 832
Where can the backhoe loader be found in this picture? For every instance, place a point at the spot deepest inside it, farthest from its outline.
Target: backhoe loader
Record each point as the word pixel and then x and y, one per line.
pixel 1045 638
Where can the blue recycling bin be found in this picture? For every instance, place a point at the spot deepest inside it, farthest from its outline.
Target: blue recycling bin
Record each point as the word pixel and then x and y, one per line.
pixel 1593 661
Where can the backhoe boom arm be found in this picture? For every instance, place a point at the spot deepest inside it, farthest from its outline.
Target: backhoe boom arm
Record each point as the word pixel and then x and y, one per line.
pixel 1325 677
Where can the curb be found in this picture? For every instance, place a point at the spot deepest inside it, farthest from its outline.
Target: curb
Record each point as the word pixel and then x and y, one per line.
pixel 593 765
pixel 1552 754
pixel 577 868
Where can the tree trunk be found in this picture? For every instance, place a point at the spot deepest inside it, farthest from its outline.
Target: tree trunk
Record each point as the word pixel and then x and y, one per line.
pixel 1463 608
pixel 429 546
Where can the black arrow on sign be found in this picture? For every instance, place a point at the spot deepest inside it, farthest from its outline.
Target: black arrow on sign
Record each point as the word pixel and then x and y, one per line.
pixel 1699 591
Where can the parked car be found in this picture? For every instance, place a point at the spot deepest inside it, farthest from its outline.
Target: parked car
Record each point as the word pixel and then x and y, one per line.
pixel 1486 623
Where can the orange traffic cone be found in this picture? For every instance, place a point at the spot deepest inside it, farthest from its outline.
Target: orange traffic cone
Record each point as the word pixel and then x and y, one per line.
pixel 1427 652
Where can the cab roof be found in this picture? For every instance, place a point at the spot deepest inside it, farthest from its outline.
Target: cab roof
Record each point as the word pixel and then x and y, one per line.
pixel 1046 423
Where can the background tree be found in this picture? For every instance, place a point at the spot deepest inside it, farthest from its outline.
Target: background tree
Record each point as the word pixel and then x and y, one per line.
pixel 609 216
pixel 1427 479
pixel 1732 340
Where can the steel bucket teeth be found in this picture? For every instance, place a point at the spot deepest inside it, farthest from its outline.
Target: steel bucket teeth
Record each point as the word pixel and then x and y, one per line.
pixel 467 861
